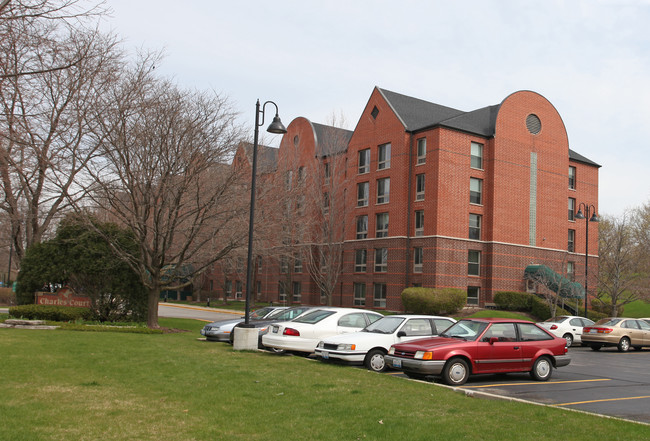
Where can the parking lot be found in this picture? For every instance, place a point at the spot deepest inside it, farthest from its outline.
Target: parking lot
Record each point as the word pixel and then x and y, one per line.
pixel 606 382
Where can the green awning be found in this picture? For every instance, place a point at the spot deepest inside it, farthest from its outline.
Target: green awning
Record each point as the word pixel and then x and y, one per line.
pixel 554 281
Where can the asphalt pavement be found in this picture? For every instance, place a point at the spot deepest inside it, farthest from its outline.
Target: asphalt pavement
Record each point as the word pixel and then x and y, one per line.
pixel 196 312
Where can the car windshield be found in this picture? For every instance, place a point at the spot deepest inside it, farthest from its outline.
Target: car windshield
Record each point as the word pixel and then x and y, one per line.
pixel 314 316
pixel 385 325
pixel 608 321
pixel 275 314
pixel 260 312
pixel 465 329
pixel 289 314
pixel 556 319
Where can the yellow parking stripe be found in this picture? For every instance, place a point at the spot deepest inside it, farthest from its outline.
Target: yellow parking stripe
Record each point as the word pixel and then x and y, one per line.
pixel 536 382
pixel 600 401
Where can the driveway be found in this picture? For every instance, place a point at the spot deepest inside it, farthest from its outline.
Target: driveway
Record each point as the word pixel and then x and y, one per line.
pixel 196 312
pixel 606 382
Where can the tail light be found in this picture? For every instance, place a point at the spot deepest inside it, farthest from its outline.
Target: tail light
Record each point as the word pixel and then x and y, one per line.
pixel 588 329
pixel 553 327
pixel 291 331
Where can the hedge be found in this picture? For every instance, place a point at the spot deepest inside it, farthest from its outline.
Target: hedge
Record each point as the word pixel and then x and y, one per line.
pixel 444 301
pixel 536 306
pixel 49 312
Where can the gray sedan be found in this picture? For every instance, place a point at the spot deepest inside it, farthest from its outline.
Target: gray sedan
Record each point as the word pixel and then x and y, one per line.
pixel 220 330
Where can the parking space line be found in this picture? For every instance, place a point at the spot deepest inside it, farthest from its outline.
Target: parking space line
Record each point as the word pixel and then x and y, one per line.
pixel 536 382
pixel 600 401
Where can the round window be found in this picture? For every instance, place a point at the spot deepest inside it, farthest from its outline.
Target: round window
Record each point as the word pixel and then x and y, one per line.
pixel 533 124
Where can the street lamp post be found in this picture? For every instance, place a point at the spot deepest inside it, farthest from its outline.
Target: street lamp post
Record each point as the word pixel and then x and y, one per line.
pixel 589 210
pixel 278 128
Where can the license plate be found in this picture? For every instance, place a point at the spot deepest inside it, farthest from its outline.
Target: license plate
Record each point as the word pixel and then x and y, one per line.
pixel 325 355
pixel 397 363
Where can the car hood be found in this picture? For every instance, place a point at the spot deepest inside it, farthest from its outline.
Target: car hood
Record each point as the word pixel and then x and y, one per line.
pixel 225 322
pixel 429 343
pixel 351 337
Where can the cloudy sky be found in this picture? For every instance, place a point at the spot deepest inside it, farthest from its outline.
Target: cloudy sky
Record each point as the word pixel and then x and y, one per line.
pixel 590 59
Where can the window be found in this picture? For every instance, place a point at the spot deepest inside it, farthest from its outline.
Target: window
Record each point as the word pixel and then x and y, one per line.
pixel 284 265
pixel 301 175
pixel 475 226
pixel 383 161
pixel 418 327
pixel 472 295
pixel 475 191
pixel 382 225
pixel 326 203
pixel 362 226
pixel 530 332
pixel 572 209
pixel 383 190
pixel 354 320
pixel 381 260
pixel 282 293
pixel 326 171
pixel 238 286
pixel 288 180
pixel 419 223
pixel 359 294
pixel 297 292
pixel 572 241
pixel 476 160
pixel 417 259
pixel 419 187
pixel 259 288
pixel 228 288
pixel 422 150
pixel 297 264
pixel 375 112
pixel 503 332
pixel 571 271
pixel 259 263
pixel 364 161
pixel 362 194
pixel 474 263
pixel 360 260
pixel 379 297
pixel 572 177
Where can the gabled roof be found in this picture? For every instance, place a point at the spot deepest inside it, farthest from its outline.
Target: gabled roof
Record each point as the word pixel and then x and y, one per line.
pixel 330 139
pixel 573 156
pixel 416 114
pixel 267 157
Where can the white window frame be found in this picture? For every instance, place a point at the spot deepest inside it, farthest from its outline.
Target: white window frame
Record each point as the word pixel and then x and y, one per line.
pixel 419 186
pixel 419 230
pixel 383 190
pixel 383 156
pixel 476 155
pixel 381 228
pixel 418 257
pixel 421 151
pixel 363 166
pixel 360 261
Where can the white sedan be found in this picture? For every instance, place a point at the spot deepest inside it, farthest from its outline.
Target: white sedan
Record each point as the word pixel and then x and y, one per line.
pixel 568 327
pixel 369 345
pixel 302 334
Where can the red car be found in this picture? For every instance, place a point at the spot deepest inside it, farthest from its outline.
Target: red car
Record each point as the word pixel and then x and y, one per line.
pixel 481 346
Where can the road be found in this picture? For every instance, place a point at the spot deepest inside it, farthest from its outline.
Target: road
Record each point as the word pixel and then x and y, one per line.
pixel 196 312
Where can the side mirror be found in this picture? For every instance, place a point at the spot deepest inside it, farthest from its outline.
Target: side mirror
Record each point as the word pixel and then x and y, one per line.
pixel 493 340
pixel 401 334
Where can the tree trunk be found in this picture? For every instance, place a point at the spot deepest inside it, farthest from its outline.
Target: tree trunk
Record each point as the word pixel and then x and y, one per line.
pixel 152 309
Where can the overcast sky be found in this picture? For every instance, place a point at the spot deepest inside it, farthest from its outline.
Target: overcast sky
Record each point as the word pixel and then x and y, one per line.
pixel 590 59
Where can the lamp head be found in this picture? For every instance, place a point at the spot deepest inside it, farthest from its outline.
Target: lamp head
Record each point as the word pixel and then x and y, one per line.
pixel 277 126
pixel 594 218
pixel 579 214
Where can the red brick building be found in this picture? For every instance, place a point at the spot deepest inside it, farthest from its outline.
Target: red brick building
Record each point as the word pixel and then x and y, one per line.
pixel 439 197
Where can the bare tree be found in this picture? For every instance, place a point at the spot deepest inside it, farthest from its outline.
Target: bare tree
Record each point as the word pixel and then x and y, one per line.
pixel 51 75
pixel 623 272
pixel 163 174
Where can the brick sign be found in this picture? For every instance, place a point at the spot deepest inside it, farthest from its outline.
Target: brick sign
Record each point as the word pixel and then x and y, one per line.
pixel 63 297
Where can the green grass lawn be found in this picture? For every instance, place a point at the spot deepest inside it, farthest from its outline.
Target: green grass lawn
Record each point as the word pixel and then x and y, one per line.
pixel 69 385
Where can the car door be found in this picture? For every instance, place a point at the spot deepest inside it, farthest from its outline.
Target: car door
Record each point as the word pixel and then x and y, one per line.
pixel 352 322
pixel 498 349
pixel 413 329
pixel 645 329
pixel 632 329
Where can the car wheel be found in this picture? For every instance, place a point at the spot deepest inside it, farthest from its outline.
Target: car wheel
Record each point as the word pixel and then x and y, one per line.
pixel 542 369
pixel 375 360
pixel 624 345
pixel 596 347
pixel 455 372
pixel 569 339
pixel 276 350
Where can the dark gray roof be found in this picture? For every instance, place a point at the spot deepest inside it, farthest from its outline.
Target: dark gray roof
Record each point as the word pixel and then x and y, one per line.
pixel 330 140
pixel 417 114
pixel 267 157
pixel 579 158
